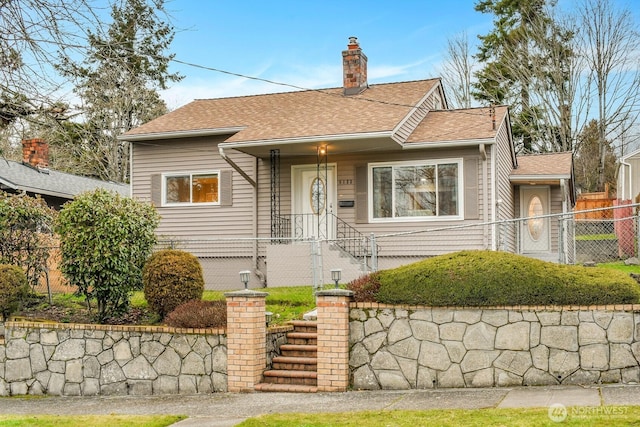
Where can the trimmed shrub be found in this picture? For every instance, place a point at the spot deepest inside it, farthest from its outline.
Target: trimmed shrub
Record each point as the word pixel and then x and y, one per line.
pixel 486 278
pixel 171 277
pixel 365 288
pixel 13 289
pixel 199 314
pixel 105 240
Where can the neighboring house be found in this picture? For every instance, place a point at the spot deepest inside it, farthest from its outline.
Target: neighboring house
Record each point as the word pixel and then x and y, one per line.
pixel 629 177
pixel 339 164
pixel 33 177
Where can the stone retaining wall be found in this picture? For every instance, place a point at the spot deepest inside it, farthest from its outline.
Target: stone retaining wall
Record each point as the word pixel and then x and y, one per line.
pixel 405 347
pixel 72 360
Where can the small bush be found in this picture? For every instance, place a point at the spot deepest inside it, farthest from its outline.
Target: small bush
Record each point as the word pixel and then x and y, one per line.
pixel 199 314
pixel 171 277
pixel 365 288
pixel 486 278
pixel 13 289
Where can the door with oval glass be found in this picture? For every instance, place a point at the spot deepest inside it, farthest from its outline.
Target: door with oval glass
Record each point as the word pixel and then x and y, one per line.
pixel 314 198
pixel 535 232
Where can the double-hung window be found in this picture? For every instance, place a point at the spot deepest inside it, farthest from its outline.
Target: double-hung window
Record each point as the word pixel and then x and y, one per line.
pixel 191 188
pixel 416 190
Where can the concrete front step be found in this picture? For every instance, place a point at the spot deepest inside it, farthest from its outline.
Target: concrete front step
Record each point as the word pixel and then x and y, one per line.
pixel 286 388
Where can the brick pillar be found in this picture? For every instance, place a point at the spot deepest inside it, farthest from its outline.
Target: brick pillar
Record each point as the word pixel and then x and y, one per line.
pixel 246 339
pixel 333 339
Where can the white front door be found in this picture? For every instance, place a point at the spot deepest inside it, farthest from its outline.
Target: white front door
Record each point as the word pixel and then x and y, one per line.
pixel 535 232
pixel 314 198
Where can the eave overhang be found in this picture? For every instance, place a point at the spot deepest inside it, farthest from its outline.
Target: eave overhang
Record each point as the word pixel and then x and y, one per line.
pixel 180 134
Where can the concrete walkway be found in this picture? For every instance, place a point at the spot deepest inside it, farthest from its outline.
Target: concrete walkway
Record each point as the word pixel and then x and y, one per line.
pixel 226 409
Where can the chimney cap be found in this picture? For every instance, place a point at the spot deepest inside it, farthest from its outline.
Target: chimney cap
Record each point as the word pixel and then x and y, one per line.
pixel 353 42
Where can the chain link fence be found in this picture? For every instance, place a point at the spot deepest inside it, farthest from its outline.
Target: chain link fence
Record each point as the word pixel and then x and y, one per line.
pixel 588 236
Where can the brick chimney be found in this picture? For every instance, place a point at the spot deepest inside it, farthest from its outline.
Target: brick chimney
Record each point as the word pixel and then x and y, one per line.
pixel 354 65
pixel 35 152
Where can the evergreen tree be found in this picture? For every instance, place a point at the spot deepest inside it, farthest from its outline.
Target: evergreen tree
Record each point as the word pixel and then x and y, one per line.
pixel 520 64
pixel 118 83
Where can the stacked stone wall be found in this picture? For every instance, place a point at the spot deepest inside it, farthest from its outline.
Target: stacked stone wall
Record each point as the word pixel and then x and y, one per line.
pixel 74 360
pixel 394 347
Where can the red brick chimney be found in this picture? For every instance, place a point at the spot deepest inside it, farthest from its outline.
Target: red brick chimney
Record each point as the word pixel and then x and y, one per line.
pixel 35 152
pixel 354 65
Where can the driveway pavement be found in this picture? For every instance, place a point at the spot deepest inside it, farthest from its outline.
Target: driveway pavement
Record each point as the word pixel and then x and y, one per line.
pixel 226 409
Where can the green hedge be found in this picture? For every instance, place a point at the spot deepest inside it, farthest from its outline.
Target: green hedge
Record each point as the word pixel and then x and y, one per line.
pixel 487 278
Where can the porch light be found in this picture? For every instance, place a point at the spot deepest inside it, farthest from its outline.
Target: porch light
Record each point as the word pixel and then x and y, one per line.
pixel 335 275
pixel 244 278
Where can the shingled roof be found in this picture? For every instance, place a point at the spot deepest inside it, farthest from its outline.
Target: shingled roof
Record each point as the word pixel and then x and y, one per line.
pixel 19 177
pixel 458 125
pixel 302 114
pixel 552 165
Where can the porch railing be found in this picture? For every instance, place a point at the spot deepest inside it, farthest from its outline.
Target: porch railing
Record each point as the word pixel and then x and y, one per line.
pixel 324 227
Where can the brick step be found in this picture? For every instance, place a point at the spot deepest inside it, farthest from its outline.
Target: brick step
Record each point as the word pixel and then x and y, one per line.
pixel 286 388
pixel 299 350
pixel 302 335
pixel 294 365
pixel 303 340
pixel 291 377
pixel 304 326
pixel 296 360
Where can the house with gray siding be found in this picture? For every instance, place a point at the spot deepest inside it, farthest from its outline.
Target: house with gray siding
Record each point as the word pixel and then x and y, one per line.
pixel 335 165
pixel 33 176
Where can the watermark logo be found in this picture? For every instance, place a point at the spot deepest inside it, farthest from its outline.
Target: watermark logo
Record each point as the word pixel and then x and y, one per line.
pixel 557 412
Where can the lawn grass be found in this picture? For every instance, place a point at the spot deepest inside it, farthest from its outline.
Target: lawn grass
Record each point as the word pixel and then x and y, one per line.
pixel 621 266
pixel 89 420
pixel 286 303
pixel 612 415
pixel 601 236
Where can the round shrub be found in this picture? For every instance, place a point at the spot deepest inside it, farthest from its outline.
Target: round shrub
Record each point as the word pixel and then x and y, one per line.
pixel 198 314
pixel 171 277
pixel 13 289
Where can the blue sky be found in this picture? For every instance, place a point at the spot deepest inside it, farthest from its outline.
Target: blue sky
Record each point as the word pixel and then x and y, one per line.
pixel 300 42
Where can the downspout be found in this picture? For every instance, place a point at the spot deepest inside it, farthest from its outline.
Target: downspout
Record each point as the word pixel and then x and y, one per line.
pixel 236 167
pixel 131 169
pixel 565 246
pixel 485 199
pixel 254 219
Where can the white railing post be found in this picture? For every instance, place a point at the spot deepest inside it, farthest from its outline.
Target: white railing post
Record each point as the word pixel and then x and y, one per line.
pixel 374 253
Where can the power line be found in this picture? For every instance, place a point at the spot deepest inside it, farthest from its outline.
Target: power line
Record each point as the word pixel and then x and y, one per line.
pixel 322 91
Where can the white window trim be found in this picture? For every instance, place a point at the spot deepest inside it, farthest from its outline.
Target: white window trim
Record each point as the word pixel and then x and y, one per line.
pixel 430 162
pixel 190 174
